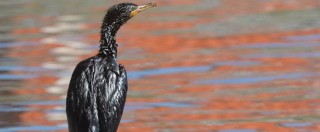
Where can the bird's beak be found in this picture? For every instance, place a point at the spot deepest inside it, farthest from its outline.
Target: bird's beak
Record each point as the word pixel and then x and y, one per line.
pixel 142 8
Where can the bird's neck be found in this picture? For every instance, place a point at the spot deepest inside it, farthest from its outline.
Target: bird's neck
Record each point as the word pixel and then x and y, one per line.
pixel 108 45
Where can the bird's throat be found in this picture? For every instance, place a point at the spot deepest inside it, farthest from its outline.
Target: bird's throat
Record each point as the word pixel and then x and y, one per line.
pixel 108 45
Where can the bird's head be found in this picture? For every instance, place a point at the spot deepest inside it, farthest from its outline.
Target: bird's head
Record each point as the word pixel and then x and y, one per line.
pixel 121 13
pixel 116 16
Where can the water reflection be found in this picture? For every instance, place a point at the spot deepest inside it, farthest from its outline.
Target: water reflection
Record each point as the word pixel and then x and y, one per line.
pixel 239 130
pixel 203 65
pixel 171 70
pixel 297 124
pixel 256 79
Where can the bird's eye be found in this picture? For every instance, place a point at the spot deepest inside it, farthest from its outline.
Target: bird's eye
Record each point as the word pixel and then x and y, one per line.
pixel 134 8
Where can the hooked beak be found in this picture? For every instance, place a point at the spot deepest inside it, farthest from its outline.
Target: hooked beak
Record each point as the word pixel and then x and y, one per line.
pixel 142 8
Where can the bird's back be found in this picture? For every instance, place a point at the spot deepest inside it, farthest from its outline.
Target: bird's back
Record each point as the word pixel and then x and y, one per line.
pixel 96 95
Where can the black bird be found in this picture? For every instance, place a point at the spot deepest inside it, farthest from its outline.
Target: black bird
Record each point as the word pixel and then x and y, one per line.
pixel 98 86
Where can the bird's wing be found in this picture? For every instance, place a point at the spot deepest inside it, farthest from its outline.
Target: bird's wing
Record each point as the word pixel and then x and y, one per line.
pixel 111 99
pixel 81 99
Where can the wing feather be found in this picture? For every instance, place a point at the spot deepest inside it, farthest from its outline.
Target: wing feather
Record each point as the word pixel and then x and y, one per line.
pixel 81 99
pixel 96 97
pixel 110 108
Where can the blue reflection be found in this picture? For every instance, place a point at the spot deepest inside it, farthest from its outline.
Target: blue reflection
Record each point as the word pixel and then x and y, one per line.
pixel 138 106
pixel 284 55
pixel 16 77
pixel 304 37
pixel 34 128
pixel 245 80
pixel 14 44
pixel 279 45
pixel 297 124
pixel 21 68
pixel 171 70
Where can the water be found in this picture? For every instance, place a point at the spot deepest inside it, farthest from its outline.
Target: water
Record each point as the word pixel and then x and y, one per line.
pixel 203 65
pixel 256 79
pixel 171 70
pixel 239 130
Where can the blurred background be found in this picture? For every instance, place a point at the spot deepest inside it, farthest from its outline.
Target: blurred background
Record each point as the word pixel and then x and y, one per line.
pixel 196 65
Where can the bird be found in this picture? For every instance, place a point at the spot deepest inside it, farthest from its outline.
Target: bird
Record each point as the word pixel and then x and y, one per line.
pixel 98 86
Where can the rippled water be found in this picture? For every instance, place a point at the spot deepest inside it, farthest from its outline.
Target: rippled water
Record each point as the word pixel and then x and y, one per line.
pixel 198 65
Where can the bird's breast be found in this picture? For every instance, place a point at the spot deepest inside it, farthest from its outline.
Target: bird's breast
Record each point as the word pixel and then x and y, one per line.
pixel 111 64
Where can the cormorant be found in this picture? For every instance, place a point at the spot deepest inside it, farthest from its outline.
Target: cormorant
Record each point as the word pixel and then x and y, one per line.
pixel 98 86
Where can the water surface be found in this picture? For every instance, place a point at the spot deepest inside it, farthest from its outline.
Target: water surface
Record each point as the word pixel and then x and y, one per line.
pixel 199 65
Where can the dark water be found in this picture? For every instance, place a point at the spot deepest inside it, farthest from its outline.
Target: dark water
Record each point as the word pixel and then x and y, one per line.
pixel 198 65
